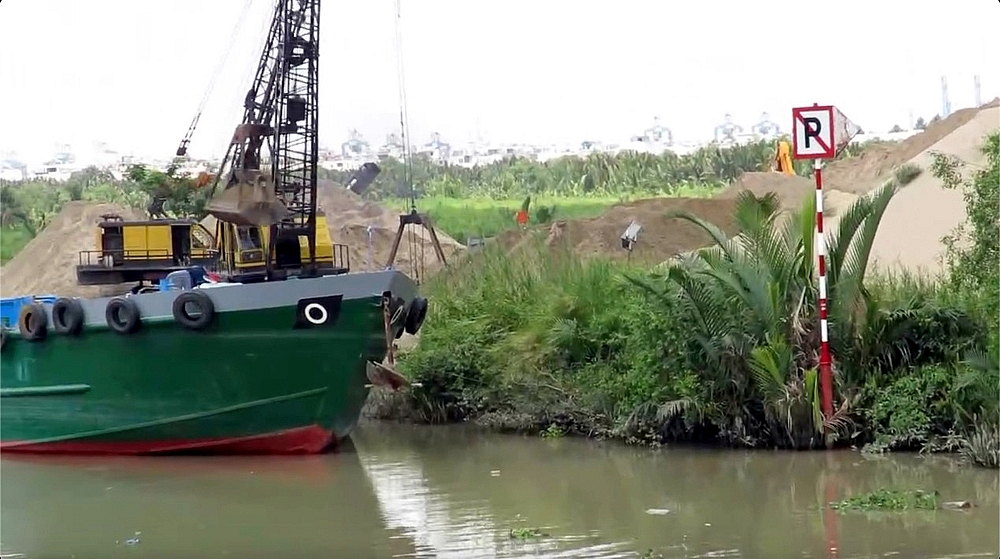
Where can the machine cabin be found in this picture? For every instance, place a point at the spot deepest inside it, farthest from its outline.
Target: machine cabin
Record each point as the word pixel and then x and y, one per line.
pixel 148 250
pixel 241 251
pixel 137 251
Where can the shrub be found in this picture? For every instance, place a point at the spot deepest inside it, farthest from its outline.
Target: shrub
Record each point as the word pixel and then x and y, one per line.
pixel 541 332
pixel 973 258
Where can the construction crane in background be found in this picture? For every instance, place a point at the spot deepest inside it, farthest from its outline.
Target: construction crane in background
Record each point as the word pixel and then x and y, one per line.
pixel 766 128
pixel 726 132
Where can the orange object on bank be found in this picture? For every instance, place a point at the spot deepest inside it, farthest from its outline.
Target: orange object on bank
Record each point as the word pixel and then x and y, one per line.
pixel 522 217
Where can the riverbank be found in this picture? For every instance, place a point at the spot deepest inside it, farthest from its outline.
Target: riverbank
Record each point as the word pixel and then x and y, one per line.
pixel 717 347
pixel 543 342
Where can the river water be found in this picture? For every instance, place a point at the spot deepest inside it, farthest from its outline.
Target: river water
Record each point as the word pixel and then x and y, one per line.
pixel 452 492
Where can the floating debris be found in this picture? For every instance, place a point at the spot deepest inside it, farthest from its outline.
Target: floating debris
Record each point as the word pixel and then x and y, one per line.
pixel 130 541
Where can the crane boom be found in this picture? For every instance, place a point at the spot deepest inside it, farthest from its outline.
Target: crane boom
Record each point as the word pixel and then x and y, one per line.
pixel 281 113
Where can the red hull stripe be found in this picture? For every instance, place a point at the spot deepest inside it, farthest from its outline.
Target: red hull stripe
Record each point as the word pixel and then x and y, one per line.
pixel 311 439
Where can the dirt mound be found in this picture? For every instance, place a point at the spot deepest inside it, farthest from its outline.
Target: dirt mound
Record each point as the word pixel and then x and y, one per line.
pixel 47 265
pixel 349 217
pixel 791 190
pixel 921 213
pixel 660 238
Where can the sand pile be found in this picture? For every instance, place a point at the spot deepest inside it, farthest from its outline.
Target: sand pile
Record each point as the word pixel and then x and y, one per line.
pixel 921 213
pixel 47 265
pixel 660 238
pixel 349 217
pixel 866 171
pixel 924 211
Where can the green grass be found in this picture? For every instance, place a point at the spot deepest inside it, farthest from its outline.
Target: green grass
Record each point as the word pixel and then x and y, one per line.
pixel 461 218
pixel 12 240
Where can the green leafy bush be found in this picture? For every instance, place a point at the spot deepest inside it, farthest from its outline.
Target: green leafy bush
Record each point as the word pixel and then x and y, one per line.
pixel 973 258
pixel 538 332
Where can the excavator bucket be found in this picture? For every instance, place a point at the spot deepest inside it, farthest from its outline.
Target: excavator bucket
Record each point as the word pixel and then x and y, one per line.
pixel 250 201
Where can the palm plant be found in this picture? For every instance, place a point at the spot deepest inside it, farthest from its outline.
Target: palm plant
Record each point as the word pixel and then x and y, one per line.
pixel 753 301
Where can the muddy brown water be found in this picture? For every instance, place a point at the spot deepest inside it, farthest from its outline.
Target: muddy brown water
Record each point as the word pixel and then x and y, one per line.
pixel 452 492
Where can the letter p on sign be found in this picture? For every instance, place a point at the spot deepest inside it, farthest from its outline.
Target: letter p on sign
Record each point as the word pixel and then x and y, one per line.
pixel 813 133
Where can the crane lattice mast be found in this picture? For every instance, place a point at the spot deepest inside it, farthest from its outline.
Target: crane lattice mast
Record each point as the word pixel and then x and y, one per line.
pixel 281 111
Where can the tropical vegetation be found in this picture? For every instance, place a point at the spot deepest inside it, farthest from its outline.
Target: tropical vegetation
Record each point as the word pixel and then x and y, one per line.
pixel 476 202
pixel 722 344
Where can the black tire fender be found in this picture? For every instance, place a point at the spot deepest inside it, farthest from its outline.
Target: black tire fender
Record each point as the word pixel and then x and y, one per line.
pixel 416 315
pixel 122 315
pixel 206 310
pixel 32 322
pixel 67 316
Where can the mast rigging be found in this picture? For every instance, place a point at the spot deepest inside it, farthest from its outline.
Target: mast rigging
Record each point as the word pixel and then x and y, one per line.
pixel 186 140
pixel 413 217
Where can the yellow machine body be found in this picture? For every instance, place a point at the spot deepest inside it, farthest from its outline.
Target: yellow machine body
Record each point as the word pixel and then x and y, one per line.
pixel 148 250
pixel 241 247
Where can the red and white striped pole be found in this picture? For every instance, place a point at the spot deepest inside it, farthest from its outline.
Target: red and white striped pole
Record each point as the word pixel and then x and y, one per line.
pixel 825 375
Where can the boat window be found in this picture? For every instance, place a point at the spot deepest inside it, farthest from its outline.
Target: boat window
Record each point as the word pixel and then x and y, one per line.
pixel 249 238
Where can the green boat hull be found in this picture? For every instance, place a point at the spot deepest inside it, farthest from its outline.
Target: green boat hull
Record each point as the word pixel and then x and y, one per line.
pixel 257 380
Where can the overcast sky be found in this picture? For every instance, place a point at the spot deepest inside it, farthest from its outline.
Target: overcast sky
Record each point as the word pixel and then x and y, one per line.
pixel 132 72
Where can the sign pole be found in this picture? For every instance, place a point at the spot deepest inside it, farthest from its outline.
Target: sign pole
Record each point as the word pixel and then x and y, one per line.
pixel 825 374
pixel 818 132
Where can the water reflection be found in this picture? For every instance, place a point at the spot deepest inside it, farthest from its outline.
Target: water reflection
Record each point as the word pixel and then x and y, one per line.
pixel 455 493
pixel 190 507
pixel 594 498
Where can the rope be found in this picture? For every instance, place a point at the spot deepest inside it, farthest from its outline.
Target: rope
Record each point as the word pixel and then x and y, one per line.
pixel 218 70
pixel 413 253
pixel 423 247
pixel 389 335
pixel 371 248
pixel 403 114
